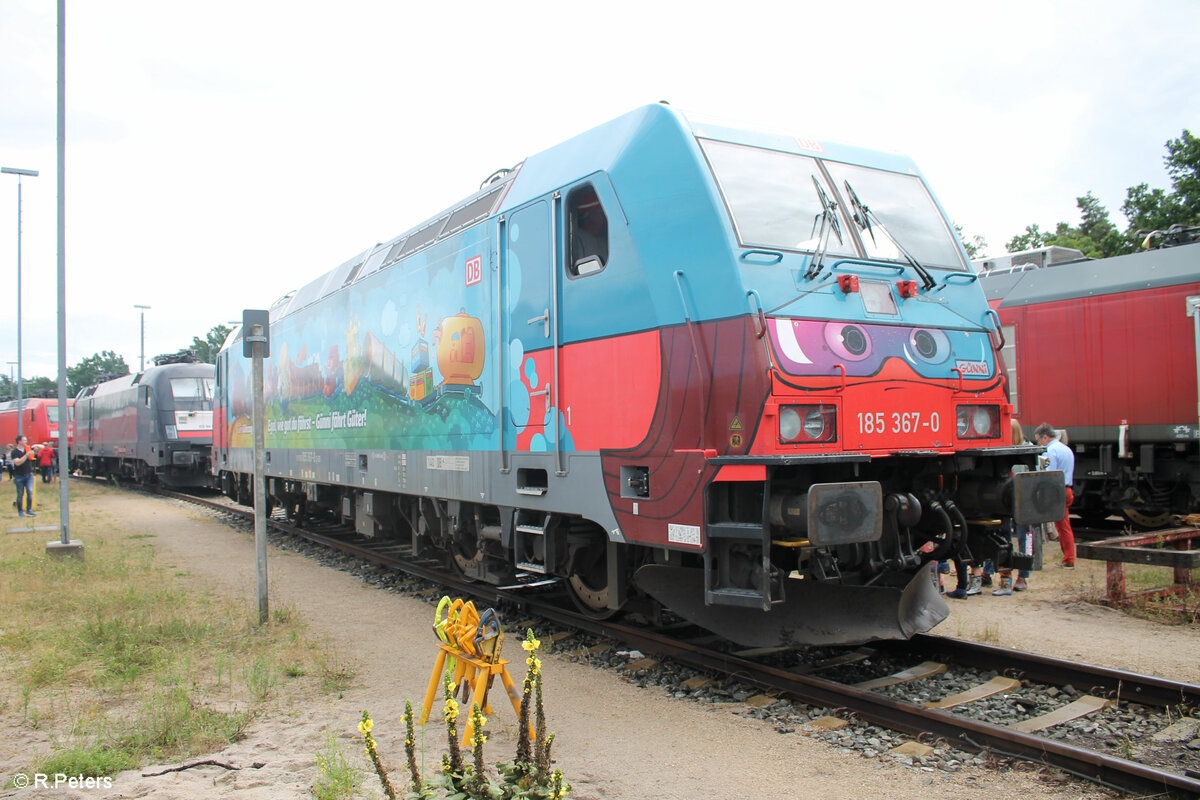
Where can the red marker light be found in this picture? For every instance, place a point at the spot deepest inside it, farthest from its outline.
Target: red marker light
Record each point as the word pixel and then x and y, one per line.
pixel 907 288
pixel 848 283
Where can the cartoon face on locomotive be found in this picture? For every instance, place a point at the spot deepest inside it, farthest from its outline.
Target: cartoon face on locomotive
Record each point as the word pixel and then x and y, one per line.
pixel 744 376
pixel 154 427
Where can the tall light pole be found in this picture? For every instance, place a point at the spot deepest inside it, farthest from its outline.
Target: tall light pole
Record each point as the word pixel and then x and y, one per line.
pixel 142 366
pixel 30 173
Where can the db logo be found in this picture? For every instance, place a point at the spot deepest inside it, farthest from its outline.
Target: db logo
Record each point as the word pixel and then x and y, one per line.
pixel 474 270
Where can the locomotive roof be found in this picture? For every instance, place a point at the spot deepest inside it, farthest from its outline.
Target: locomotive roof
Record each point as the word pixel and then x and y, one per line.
pixel 152 375
pixel 1168 266
pixel 602 148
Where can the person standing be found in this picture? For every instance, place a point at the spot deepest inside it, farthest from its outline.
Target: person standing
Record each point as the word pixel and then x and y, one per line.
pixel 1061 458
pixel 45 460
pixel 22 460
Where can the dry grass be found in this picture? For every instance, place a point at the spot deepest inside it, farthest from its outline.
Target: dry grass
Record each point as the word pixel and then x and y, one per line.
pixel 1181 608
pixel 121 660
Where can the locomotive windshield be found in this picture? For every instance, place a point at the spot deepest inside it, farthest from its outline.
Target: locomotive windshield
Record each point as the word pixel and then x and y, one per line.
pixel 774 200
pixel 195 393
pixel 773 197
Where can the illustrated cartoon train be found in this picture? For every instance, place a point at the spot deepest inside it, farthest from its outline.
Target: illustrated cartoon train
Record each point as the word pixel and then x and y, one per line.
pixel 748 377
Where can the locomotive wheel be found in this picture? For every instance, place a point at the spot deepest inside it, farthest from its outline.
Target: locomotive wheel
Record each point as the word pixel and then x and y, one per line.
pixel 587 578
pixel 1147 519
pixel 466 552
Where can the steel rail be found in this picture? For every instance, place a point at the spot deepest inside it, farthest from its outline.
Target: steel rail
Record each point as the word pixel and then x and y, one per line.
pixel 1117 684
pixel 878 709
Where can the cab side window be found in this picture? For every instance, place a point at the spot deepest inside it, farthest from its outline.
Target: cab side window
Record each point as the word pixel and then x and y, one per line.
pixel 587 229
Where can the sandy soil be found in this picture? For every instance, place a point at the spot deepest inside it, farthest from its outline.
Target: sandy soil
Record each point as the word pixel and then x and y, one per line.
pixel 615 741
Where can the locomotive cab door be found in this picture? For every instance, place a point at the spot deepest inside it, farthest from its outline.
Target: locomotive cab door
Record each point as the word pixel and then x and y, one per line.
pixel 530 300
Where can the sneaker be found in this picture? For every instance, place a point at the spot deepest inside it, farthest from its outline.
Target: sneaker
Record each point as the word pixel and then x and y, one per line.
pixel 958 594
pixel 20 513
pixel 1003 591
pixel 1020 585
pixel 987 580
pixel 975 586
pixel 1065 565
pixel 31 513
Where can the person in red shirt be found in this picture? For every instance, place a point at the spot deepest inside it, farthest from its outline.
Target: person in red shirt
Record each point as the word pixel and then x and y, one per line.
pixel 45 460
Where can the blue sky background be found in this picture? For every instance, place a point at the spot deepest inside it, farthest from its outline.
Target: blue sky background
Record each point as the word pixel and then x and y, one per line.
pixel 221 154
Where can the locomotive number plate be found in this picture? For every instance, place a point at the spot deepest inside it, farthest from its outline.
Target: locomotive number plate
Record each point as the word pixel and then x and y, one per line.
pixel 898 422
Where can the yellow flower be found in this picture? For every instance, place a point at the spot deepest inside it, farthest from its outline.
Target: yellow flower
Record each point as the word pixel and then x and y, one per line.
pixel 365 726
pixel 531 644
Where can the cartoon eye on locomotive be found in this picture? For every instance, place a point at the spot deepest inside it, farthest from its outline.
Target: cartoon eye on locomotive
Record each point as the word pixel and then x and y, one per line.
pixel 743 376
pixel 154 427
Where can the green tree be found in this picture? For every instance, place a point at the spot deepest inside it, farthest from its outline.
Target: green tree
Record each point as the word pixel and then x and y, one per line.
pixel 1033 237
pixel 975 246
pixel 1156 209
pixel 206 349
pixel 1096 234
pixel 42 387
pixel 93 368
pixel 1144 208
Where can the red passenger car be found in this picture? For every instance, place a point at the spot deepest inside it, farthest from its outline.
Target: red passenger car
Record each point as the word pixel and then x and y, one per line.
pixel 1107 349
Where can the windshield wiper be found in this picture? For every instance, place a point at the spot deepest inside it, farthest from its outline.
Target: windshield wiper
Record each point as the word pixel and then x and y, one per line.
pixel 829 222
pixel 862 218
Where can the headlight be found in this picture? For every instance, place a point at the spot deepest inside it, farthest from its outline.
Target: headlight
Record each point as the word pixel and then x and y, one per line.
pixel 978 422
pixel 806 424
pixel 789 423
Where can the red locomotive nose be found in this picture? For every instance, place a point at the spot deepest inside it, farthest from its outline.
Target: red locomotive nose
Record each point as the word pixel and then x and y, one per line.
pixel 897 369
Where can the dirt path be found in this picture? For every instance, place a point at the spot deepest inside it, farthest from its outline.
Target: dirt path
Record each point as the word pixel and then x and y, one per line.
pixel 615 741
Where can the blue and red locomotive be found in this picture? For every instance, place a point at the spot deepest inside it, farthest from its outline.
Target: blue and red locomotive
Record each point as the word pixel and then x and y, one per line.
pixel 747 375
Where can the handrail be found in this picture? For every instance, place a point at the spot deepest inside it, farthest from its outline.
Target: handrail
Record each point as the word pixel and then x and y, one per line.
pixel 999 328
pixel 559 469
pixel 762 318
pixel 501 227
pixel 775 256
pixel 842 367
pixel 971 277
pixel 692 334
pixel 896 268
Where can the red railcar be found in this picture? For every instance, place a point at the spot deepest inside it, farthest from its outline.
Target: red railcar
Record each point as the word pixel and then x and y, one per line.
pixel 1107 349
pixel 39 421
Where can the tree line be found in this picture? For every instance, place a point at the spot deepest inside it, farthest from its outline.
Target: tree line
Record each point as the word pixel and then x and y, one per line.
pixel 1148 212
pixel 107 365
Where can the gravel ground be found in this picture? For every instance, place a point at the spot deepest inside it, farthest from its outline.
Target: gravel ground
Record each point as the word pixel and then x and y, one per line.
pixel 624 733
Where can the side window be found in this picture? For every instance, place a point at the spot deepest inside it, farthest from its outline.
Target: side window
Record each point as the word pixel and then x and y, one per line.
pixel 587 232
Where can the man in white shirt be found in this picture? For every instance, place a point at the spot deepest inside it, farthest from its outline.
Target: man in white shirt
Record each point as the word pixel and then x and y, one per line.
pixel 1061 458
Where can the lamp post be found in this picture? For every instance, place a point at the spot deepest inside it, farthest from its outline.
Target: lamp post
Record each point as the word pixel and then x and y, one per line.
pixel 142 361
pixel 29 173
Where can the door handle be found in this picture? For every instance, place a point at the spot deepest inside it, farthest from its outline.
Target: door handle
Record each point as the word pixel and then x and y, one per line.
pixel 544 318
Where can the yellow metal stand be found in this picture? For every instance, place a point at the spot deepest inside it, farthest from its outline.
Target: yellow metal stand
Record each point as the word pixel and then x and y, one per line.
pixel 470 643
pixel 479 675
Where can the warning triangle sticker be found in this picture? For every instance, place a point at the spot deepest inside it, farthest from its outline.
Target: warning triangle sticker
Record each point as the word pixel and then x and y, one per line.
pixel 736 425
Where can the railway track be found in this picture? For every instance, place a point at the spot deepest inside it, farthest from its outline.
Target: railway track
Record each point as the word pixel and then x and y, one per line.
pixel 866 701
